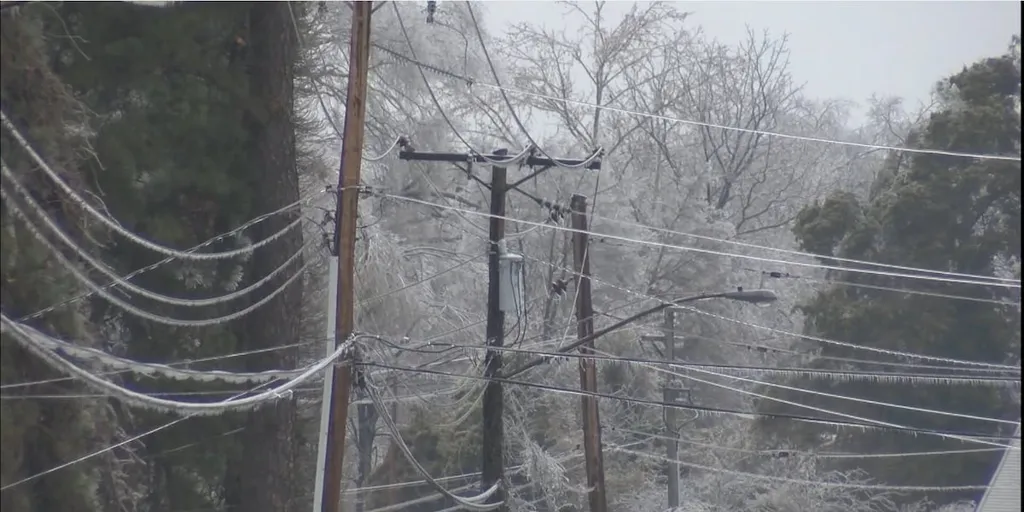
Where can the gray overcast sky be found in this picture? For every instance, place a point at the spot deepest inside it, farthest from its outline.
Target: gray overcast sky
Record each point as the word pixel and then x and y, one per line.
pixel 840 49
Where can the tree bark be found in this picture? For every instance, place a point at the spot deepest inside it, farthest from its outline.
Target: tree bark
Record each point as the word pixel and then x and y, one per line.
pixel 266 471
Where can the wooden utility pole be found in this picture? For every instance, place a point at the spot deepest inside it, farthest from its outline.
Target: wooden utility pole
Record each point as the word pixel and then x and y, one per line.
pixel 344 247
pixel 493 455
pixel 588 368
pixel 493 407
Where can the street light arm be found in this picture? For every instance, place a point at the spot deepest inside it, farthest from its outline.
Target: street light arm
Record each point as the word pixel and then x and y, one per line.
pixel 618 325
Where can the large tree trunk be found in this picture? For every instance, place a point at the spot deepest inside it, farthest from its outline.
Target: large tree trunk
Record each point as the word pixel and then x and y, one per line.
pixel 266 481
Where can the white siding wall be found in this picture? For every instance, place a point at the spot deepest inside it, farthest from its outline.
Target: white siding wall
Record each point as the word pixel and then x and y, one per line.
pixel 1003 494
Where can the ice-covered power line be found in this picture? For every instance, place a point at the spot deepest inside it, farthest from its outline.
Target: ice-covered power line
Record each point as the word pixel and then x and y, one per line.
pixel 398 507
pixel 141 313
pixel 111 273
pixel 820 140
pixel 784 453
pixel 511 109
pixel 106 396
pixel 653 243
pixel 433 97
pixel 512 160
pixel 765 274
pixel 706 410
pixel 310 401
pixel 659 368
pixel 950 375
pixel 160 370
pixel 811 483
pixel 833 375
pixel 320 97
pixel 112 447
pixel 701 312
pixel 645 296
pixel 79 201
pixel 15 385
pixel 473 503
pixel 804 254
pixel 169 259
pixel 804 138
pixel 31 340
pixel 811 407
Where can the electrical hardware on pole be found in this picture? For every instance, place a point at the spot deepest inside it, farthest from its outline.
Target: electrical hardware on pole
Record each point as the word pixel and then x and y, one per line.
pixel 493 461
pixel 493 402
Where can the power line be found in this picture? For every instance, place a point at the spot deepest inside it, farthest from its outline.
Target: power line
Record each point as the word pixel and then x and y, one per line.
pixel 433 97
pixel 803 138
pixel 708 251
pixel 813 392
pixel 778 331
pixel 805 254
pixel 656 365
pixel 473 503
pixel 852 284
pixel 419 281
pixel 258 351
pixel 86 396
pixel 110 273
pixel 320 99
pixel 988 374
pixel 960 436
pixel 644 296
pixel 164 261
pixel 499 161
pixel 470 82
pixel 850 360
pixel 843 375
pixel 427 499
pixel 114 225
pixel 812 483
pixel 515 117
pixel 109 448
pixel 28 338
pixel 129 308
pixel 784 453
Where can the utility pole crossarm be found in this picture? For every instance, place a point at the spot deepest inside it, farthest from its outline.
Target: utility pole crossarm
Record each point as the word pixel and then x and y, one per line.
pixel 530 161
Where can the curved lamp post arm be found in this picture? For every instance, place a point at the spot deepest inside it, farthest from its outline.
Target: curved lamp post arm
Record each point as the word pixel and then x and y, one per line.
pixel 751 296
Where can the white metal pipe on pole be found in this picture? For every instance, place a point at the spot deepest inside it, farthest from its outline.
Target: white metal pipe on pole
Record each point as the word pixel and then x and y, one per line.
pixel 325 405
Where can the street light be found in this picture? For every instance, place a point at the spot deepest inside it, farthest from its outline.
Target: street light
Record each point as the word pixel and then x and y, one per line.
pixel 741 295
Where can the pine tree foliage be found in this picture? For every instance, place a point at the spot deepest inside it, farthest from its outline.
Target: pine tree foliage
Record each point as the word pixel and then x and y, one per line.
pixel 37 435
pixel 935 212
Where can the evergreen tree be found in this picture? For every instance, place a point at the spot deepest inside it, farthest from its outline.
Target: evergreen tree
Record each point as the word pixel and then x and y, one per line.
pixel 194 138
pixel 39 435
pixel 267 465
pixel 937 212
